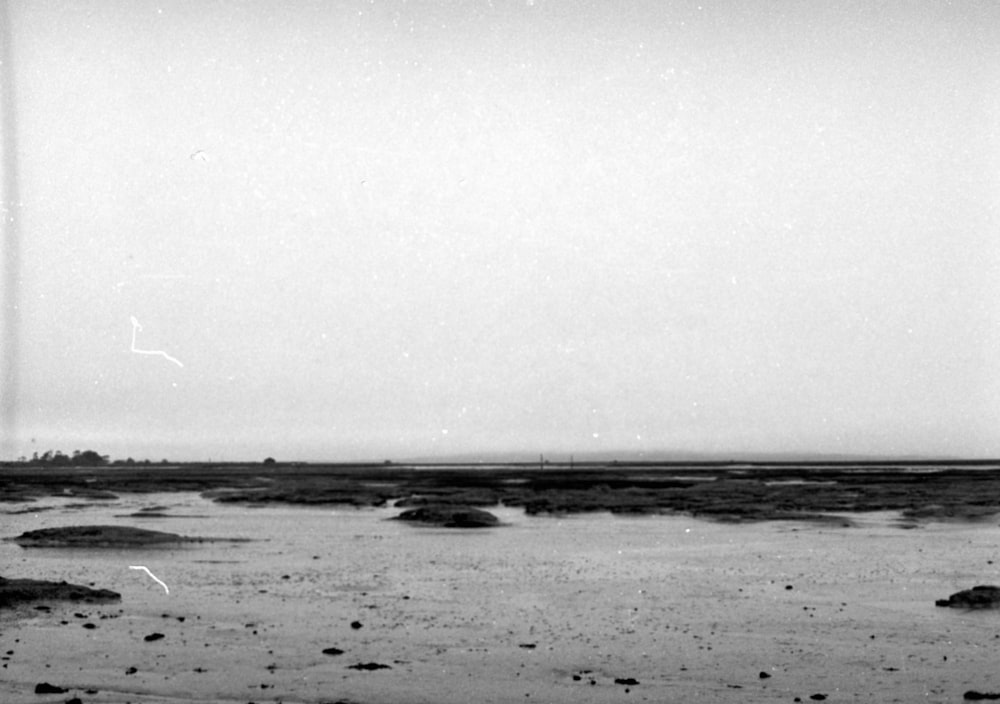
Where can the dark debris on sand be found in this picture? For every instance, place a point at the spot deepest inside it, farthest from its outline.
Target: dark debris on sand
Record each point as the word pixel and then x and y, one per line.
pixel 46 688
pixel 369 666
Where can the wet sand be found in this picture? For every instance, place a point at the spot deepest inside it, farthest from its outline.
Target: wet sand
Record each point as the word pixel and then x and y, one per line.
pixel 588 607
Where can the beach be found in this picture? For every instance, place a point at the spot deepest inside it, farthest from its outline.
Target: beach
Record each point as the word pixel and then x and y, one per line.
pixel 578 608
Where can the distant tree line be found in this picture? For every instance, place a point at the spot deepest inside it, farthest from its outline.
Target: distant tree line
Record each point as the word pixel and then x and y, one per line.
pixel 50 458
pixel 86 458
pixel 90 458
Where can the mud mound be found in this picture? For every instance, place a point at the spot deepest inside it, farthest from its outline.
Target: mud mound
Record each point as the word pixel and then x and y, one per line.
pixel 450 516
pixel 18 591
pixel 980 597
pixel 102 536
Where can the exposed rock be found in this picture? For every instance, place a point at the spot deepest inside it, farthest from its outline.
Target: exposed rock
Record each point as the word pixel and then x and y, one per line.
pixel 979 597
pixel 627 681
pixel 450 516
pixel 14 591
pixel 973 695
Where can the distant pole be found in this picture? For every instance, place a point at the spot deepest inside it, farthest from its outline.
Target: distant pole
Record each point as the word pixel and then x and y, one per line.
pixel 541 462
pixel 571 462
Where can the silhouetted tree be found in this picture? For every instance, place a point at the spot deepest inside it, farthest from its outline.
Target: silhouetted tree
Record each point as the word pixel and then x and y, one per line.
pixel 89 458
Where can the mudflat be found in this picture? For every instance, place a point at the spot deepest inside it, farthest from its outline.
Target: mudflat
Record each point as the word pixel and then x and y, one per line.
pixel 334 601
pixel 921 491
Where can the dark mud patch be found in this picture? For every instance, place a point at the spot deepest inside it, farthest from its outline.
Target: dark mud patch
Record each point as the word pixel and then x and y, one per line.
pixel 753 515
pixel 157 512
pixel 947 513
pixel 92 494
pixel 105 536
pixel 448 516
pixel 369 666
pixel 24 591
pixel 29 509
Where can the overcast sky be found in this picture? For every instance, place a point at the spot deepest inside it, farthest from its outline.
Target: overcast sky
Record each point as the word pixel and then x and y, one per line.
pixel 387 229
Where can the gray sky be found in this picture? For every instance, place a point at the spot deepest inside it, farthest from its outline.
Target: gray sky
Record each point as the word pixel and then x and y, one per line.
pixel 390 229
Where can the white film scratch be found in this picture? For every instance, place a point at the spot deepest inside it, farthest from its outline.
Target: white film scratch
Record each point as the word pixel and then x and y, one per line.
pixel 155 578
pixel 136 326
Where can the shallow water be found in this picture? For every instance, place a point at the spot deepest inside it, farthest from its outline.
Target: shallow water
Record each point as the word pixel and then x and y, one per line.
pixel 543 608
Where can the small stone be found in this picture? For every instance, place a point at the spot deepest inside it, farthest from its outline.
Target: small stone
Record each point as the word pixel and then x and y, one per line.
pixel 154 636
pixel 763 675
pixel 817 697
pixel 356 625
pixel 333 651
